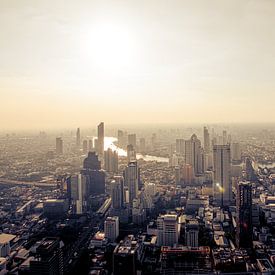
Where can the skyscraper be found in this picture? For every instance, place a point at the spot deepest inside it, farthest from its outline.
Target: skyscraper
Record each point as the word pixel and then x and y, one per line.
pixel 132 140
pixel 117 192
pixel 142 145
pixel 194 154
pixel 180 147
pixel 206 140
pixel 244 215
pixel 85 146
pixel 131 180
pixel 222 181
pixel 131 153
pixel 100 140
pixel 111 161
pixel 78 189
pixel 59 146
pixel 78 138
pixel 95 176
pixel 111 228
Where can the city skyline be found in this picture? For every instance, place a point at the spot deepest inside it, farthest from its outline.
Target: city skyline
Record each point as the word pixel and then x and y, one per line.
pixel 149 62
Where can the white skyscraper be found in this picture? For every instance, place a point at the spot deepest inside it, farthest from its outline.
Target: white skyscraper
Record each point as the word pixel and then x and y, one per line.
pixel 78 192
pixel 168 230
pixel 222 181
pixel 111 228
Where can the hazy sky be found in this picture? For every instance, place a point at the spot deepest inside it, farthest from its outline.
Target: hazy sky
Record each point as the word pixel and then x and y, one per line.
pixel 73 63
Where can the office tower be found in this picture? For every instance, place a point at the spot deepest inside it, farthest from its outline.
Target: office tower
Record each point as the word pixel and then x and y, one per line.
pixel 85 146
pixel 117 192
pixel 236 152
pixel 59 146
pixel 168 230
pixel 125 257
pixel 177 175
pixel 95 176
pixel 111 161
pixel 180 147
pixel 120 139
pixel 100 140
pixel 192 233
pixel 222 181
pixel 187 174
pixel 138 211
pixel 78 138
pixel 91 145
pixel 48 259
pixel 244 215
pixel 78 189
pixel 142 145
pixel 91 162
pixel 131 153
pixel 194 154
pixel 111 228
pixel 131 180
pixel 206 140
pixel 132 140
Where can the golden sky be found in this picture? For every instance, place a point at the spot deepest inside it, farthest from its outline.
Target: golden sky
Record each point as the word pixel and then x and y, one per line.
pixel 74 63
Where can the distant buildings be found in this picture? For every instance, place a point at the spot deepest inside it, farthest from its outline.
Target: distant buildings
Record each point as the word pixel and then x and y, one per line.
pixel 132 140
pixel 222 181
pixel 59 146
pixel 78 140
pixel 100 140
pixel 180 147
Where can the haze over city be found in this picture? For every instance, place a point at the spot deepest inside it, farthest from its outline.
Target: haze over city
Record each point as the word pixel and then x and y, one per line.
pixel 72 64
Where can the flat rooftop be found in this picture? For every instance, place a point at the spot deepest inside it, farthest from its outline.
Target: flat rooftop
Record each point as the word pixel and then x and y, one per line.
pixel 5 238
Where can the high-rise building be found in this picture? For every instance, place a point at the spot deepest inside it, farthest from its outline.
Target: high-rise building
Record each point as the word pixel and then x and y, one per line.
pixel 222 181
pixel 95 176
pixel 111 228
pixel 48 259
pixel 117 192
pixel 91 145
pixel 59 146
pixel 236 152
pixel 100 140
pixel 132 140
pixel 131 153
pixel 194 154
pixel 244 215
pixel 187 174
pixel 142 145
pixel 85 146
pixel 78 189
pixel 206 140
pixel 180 147
pixel 131 180
pixel 168 230
pixel 111 161
pixel 78 138
pixel 192 233
pixel 125 257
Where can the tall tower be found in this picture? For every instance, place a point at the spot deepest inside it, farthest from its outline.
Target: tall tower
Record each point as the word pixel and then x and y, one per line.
pixel 78 137
pixel 131 179
pixel 132 140
pixel 111 161
pixel 206 140
pixel 117 192
pixel 222 182
pixel 100 140
pixel 244 215
pixel 59 146
pixel 194 154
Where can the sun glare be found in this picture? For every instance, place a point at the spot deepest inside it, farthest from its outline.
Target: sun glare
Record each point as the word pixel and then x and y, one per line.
pixel 111 47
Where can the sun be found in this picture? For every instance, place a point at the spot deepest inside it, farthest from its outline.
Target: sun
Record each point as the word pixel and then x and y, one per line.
pixel 111 47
